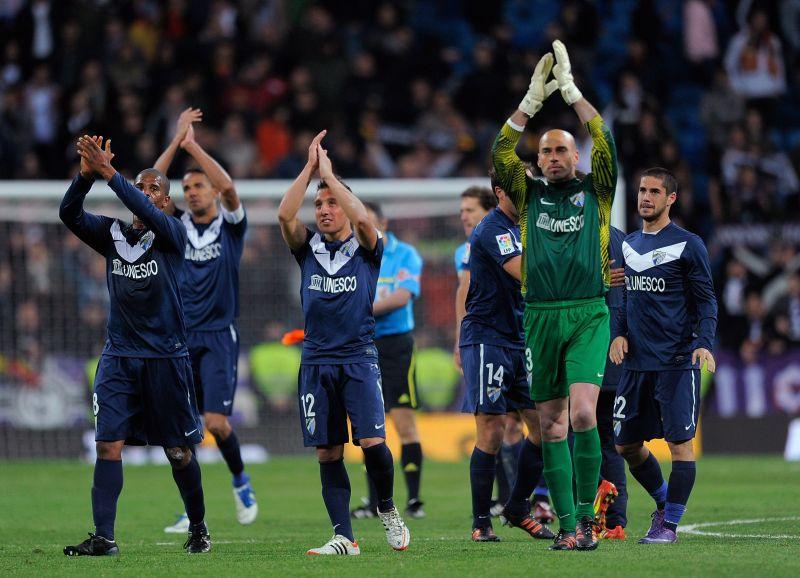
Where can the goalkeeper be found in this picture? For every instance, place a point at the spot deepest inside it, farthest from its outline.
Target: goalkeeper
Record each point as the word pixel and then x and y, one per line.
pixel 564 223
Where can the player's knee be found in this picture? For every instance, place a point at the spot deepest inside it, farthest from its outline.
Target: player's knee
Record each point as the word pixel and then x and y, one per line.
pixel 583 418
pixel 327 454
pixel 490 433
pixel 220 430
pixel 681 451
pixel 631 452
pixel 179 457
pixel 109 451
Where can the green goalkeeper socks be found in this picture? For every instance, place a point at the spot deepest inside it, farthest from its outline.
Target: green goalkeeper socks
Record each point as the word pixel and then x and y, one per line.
pixel 587 459
pixel 558 473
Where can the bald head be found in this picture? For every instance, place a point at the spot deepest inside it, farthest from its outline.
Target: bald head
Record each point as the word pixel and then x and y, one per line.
pixel 558 155
pixel 156 174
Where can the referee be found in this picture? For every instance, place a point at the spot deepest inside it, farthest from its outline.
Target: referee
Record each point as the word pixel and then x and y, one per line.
pixel 398 286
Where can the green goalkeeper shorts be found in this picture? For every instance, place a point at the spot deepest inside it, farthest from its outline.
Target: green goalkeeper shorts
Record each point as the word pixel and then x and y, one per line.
pixel 566 342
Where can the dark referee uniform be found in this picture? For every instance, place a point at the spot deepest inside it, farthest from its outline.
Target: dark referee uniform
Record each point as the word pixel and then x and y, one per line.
pixel 401 268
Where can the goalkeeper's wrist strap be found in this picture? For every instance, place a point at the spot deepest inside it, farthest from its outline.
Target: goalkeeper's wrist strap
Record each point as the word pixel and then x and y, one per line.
pixel 515 126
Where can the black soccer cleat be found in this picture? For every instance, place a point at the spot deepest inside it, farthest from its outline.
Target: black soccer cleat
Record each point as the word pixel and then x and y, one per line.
pixel 585 536
pixel 93 546
pixel 563 541
pixel 414 509
pixel 528 523
pixel 484 535
pixel 199 541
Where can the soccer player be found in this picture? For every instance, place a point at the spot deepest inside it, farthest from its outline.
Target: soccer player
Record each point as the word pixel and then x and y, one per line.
pixel 664 334
pixel 564 224
pixel 339 372
pixel 612 495
pixel 143 390
pixel 495 369
pixel 398 286
pixel 210 295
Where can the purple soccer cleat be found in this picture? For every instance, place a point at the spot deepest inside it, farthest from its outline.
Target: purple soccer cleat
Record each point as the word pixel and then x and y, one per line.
pixel 658 534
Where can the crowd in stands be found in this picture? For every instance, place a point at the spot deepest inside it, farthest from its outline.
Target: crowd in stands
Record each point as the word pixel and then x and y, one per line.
pixel 407 89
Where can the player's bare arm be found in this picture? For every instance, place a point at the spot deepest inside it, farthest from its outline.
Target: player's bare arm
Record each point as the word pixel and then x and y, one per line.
pixel 218 176
pixel 353 208
pixel 394 300
pixel 292 229
pixel 185 120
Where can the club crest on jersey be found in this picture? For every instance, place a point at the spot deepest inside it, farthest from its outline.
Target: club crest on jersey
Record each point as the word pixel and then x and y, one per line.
pixel 505 244
pixel 316 283
pixel 658 257
pixel 147 240
pixel 311 425
pixel 347 250
pixel 117 264
pixel 578 199
pixel 493 392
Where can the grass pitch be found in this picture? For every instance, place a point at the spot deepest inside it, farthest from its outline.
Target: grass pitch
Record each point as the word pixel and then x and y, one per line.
pixel 45 505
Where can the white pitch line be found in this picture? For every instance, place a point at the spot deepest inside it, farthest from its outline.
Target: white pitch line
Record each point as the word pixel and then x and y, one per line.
pixel 694 528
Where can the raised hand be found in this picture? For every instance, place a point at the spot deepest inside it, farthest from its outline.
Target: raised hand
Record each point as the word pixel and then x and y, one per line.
pixel 563 73
pixel 324 162
pixel 86 171
pixel 539 89
pixel 97 159
pixel 188 138
pixel 185 120
pixel 313 158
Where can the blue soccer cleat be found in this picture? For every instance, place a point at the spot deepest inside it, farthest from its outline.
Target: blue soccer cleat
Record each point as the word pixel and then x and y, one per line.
pixel 246 505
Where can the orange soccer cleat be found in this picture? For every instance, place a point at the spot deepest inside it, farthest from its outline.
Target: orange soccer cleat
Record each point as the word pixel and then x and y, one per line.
pixel 615 533
pixel 606 494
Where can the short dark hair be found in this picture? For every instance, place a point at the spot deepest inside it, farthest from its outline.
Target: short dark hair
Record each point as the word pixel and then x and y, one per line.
pixel 668 180
pixel 159 174
pixel 375 208
pixel 495 182
pixel 323 185
pixel 485 196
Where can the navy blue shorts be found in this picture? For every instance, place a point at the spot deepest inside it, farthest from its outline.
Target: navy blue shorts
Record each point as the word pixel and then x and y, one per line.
pixel 496 379
pixel 215 356
pixel 329 394
pixel 146 401
pixel 656 404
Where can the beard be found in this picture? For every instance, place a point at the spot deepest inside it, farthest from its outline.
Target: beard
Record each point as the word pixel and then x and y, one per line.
pixel 654 216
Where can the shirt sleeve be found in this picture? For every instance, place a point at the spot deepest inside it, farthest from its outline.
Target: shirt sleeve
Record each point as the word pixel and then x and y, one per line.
pixel 702 288
pixel 300 254
pixel 463 265
pixel 409 273
pixel 604 164
pixel 235 221
pixel 509 167
pixel 168 228
pixel 91 229
pixel 500 244
pixel 619 322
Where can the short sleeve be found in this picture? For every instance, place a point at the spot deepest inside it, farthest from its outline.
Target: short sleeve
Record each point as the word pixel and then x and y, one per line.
pixel 300 254
pixel 501 244
pixel 409 272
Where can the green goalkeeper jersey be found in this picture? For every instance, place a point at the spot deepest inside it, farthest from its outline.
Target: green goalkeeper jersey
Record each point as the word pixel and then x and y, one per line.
pixel 564 226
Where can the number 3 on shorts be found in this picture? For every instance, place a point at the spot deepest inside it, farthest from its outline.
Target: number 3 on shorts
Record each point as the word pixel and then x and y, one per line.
pixel 528 360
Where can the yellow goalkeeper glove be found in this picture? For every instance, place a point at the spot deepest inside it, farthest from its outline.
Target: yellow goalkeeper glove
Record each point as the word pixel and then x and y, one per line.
pixel 563 73
pixel 539 89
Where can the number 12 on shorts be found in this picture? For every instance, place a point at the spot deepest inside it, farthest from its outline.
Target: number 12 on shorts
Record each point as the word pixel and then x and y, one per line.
pixel 307 403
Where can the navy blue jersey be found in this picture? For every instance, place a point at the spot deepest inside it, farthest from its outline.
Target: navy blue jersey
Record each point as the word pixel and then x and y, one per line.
pixel 213 251
pixel 670 308
pixel 144 270
pixel 494 300
pixel 401 268
pixel 337 289
pixel 614 297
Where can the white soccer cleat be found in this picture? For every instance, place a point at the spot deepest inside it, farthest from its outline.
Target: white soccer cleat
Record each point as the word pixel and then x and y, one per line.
pixel 397 533
pixel 336 546
pixel 246 505
pixel 181 525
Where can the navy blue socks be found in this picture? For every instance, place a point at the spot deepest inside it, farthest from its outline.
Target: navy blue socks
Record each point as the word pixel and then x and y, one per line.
pixel 105 493
pixel 648 473
pixel 481 478
pixel 681 481
pixel 336 495
pixel 380 469
pixel 190 486
pixel 232 454
pixel 529 472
